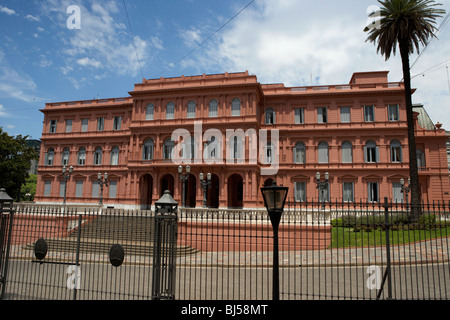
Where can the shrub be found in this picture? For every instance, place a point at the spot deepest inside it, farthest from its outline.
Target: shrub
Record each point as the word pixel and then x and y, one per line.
pixel 336 222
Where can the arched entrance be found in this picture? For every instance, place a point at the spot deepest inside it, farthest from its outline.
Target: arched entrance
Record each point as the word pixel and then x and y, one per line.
pixel 146 190
pixel 235 191
pixel 167 183
pixel 191 191
pixel 212 199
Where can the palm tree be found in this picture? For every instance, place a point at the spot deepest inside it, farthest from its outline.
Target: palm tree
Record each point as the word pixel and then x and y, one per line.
pixel 408 24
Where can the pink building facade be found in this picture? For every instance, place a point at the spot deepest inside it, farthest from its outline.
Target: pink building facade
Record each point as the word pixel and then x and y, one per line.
pixel 245 134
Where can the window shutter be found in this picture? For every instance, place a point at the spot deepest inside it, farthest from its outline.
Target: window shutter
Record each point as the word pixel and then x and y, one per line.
pixel 112 189
pixel 79 189
pixel 95 188
pixel 377 154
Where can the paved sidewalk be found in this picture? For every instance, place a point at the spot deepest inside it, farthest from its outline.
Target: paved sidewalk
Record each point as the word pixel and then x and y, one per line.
pixel 424 252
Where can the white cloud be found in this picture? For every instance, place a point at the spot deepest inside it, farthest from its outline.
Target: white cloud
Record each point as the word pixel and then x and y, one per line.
pixel 89 62
pixel 32 18
pixel 6 10
pixel 292 42
pixel 191 37
pixel 15 85
pixel 157 43
pixel 3 112
pixel 103 42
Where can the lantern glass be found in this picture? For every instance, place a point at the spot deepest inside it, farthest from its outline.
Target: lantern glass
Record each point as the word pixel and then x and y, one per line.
pixel 274 197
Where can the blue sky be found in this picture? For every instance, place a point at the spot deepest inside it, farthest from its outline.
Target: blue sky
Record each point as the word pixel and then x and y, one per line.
pixel 294 42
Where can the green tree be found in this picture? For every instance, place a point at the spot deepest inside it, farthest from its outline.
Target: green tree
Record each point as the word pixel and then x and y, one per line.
pixel 28 189
pixel 15 159
pixel 406 24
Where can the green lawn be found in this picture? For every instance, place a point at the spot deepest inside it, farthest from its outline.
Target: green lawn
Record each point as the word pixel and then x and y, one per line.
pixel 346 237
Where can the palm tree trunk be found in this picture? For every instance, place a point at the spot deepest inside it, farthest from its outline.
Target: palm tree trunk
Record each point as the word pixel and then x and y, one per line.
pixel 413 171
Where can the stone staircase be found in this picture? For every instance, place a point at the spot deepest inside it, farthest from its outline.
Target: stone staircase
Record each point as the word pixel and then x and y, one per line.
pixel 134 233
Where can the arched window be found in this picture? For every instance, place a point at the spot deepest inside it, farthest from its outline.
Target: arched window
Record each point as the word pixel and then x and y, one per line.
pixel 270 116
pixel 167 149
pixel 371 152
pixel 170 110
pixel 347 153
pixel 235 147
pixel 98 156
pixel 420 158
pixel 49 156
pixel 299 153
pixel 149 111
pixel 323 152
pixel 396 151
pixel 191 109
pixel 81 158
pixel 236 107
pixel 65 157
pixel 213 108
pixel 210 148
pixel 114 156
pixel 147 150
pixel 270 153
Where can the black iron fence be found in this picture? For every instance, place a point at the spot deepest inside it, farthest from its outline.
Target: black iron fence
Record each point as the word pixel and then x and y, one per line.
pixel 336 251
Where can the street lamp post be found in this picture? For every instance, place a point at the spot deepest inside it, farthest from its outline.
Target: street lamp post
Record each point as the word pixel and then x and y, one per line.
pixel 101 183
pixel 405 190
pixel 165 248
pixel 274 200
pixel 184 178
pixel 206 184
pixel 66 175
pixel 322 186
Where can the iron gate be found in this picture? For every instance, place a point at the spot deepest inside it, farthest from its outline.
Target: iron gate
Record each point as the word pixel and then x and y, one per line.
pixel 225 254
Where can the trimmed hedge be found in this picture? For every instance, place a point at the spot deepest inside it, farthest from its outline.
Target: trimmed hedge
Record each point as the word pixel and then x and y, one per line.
pixel 396 222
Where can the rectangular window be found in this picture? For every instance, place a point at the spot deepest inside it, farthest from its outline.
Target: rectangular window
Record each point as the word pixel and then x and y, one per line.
pixel 52 126
pixel 68 126
pixel 397 195
pixel 117 123
pixel 47 188
pixel 322 115
pixel 369 114
pixel 213 109
pixel 62 184
pixel 84 125
pixel 299 115
pixel 100 124
pixel 324 194
pixel 300 191
pixel 170 111
pixel 112 189
pixel 372 192
pixel 345 114
pixel 79 188
pixel 393 112
pixel 348 192
pixel 191 110
pixel 95 189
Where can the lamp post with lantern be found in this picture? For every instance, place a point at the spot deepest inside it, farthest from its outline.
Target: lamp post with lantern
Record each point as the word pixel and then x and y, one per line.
pixel 405 190
pixel 322 186
pixel 206 184
pixel 184 178
pixel 66 176
pixel 102 182
pixel 274 200
pixel 6 223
